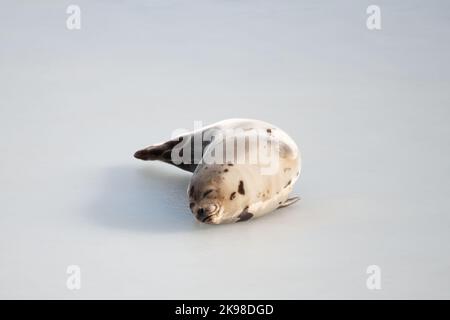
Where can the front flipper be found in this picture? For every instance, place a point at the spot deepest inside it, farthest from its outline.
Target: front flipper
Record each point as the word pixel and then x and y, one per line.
pixel 288 202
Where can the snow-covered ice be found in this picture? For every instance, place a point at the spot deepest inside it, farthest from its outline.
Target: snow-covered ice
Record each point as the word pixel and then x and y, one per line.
pixel 369 109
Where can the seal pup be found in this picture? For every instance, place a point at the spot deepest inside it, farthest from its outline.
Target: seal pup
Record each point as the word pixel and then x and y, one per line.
pixel 236 189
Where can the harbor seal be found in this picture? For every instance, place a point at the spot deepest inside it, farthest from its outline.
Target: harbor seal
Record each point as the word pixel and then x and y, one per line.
pixel 242 168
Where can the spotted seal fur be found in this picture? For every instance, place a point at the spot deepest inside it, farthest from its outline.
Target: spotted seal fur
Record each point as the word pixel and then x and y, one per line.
pixel 233 190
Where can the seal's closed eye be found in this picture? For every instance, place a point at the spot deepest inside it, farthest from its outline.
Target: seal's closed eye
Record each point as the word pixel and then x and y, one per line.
pixel 207 192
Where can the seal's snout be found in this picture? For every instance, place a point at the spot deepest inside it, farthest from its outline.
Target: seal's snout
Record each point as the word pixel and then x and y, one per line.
pixel 202 214
pixel 206 213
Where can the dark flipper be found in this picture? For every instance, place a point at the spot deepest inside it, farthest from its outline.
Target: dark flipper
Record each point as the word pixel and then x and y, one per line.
pixel 163 152
pixel 288 202
pixel 156 152
pixel 245 215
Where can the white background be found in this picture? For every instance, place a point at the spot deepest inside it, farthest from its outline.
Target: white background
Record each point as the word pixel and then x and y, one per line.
pixel 370 111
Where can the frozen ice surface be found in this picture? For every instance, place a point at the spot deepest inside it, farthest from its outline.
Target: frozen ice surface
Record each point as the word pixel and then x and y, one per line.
pixel 369 109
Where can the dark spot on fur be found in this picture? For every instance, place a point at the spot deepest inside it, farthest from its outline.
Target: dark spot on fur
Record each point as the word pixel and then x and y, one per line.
pixel 191 205
pixel 269 130
pixel 233 195
pixel 245 215
pixel 287 184
pixel 191 191
pixel 226 170
pixel 279 202
pixel 241 187
pixel 207 192
pixel 230 164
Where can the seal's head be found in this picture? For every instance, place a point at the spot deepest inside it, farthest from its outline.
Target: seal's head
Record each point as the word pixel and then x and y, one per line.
pixel 209 195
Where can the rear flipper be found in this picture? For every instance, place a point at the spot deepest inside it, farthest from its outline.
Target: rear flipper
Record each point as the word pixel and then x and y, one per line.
pixel 288 202
pixel 163 152
pixel 157 152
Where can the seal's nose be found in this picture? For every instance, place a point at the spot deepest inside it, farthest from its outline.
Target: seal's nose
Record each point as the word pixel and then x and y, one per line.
pixel 202 214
